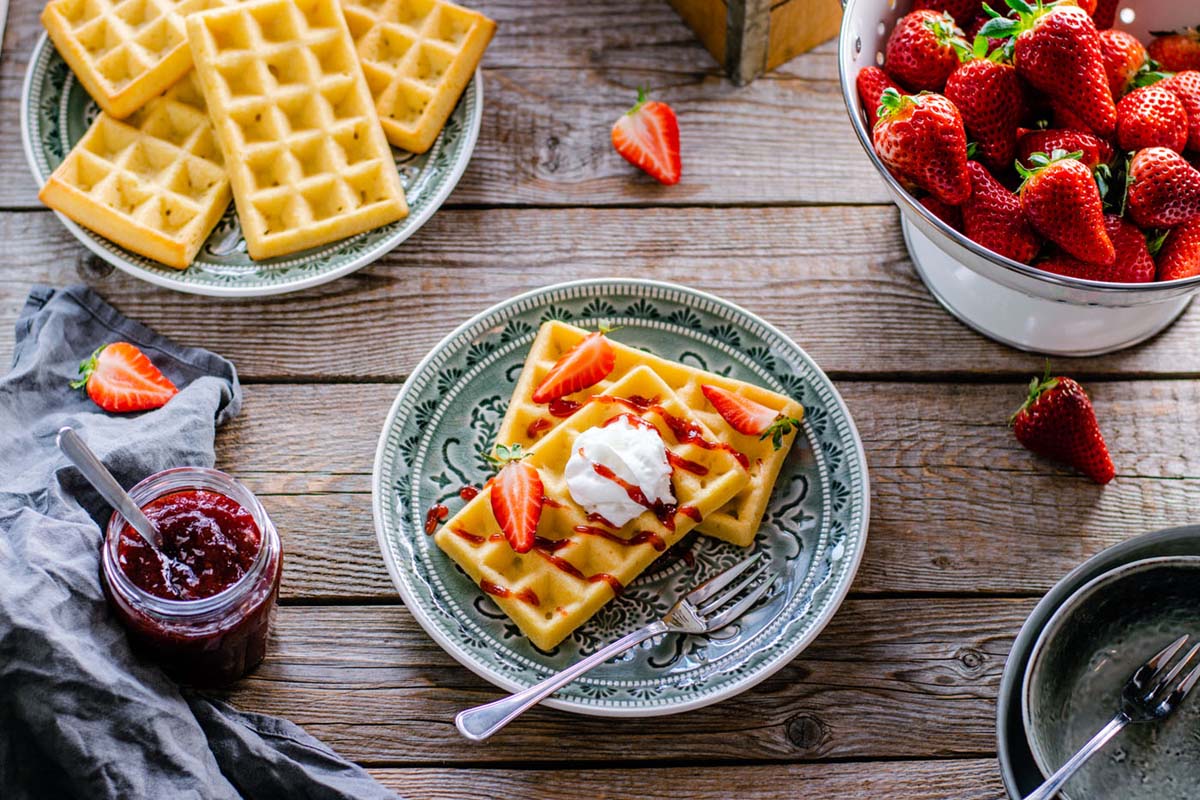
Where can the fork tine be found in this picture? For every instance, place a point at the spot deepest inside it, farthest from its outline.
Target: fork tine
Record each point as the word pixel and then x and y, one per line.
pixel 1150 670
pixel 728 594
pixel 719 582
pixel 739 608
pixel 1174 672
pixel 1188 684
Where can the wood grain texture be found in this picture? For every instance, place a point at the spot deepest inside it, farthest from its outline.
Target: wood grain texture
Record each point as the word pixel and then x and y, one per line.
pixel 963 779
pixel 558 74
pixel 837 280
pixel 957 504
pixel 371 683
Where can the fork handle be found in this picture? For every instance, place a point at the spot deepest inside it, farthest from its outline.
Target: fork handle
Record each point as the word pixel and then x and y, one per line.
pixel 1064 773
pixel 481 722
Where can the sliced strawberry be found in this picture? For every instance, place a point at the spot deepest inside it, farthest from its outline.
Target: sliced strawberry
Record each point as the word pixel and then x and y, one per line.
pixel 584 365
pixel 749 417
pixel 647 136
pixel 119 377
pixel 517 497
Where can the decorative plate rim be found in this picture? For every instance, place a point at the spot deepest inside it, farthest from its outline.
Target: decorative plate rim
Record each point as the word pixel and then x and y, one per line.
pixel 171 280
pixel 451 646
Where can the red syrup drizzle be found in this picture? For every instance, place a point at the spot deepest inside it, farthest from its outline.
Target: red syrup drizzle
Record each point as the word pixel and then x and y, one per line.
pixel 528 595
pixel 436 516
pixel 571 569
pixel 563 408
pixel 692 512
pixel 685 432
pixel 641 537
pixel 550 502
pixel 468 493
pixel 597 518
pixel 665 512
pixel 682 463
pixel 537 426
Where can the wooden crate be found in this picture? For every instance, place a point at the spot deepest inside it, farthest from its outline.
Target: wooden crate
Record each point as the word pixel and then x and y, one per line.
pixel 750 37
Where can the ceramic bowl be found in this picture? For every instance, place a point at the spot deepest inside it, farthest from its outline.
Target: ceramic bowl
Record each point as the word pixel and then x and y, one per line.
pixel 1081 662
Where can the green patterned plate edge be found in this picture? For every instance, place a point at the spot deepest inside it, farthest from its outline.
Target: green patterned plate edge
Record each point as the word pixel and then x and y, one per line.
pixel 832 597
pixel 117 256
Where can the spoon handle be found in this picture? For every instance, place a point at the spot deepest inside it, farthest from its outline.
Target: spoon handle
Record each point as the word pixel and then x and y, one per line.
pixel 102 480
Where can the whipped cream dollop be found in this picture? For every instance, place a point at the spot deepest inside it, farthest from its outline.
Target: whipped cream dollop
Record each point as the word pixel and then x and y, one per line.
pixel 634 454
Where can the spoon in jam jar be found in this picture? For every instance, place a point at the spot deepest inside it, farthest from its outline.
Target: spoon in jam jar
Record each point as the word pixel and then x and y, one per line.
pixel 103 482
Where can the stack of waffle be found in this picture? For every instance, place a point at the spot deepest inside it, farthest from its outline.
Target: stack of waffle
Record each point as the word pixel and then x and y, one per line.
pixel 577 565
pixel 279 101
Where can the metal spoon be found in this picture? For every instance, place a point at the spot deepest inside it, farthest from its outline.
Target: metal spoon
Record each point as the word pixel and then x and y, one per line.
pixel 103 482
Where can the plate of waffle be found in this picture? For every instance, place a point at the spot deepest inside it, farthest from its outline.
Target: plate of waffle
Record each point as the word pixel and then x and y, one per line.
pixel 561 468
pixel 335 127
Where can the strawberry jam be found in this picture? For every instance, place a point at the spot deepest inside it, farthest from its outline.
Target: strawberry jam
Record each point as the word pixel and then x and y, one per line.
pixel 204 612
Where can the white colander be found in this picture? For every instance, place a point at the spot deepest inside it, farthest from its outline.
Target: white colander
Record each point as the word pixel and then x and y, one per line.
pixel 1004 299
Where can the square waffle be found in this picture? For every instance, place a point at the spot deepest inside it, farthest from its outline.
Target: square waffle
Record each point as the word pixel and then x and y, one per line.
pixel 418 56
pixel 546 599
pixel 124 52
pixel 307 159
pixel 153 183
pixel 525 421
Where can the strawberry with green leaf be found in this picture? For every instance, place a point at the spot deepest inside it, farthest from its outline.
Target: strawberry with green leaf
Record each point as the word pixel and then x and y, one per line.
pixel 1057 421
pixel 647 136
pixel 749 417
pixel 920 52
pixel 119 378
pixel 584 365
pixel 990 99
pixel 921 138
pixel 517 497
pixel 1061 201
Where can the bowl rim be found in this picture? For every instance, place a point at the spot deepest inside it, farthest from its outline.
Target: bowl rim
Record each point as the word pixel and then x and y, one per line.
pixel 1056 622
pixel 910 205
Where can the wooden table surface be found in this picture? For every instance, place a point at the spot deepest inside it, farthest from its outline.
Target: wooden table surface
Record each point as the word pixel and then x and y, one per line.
pixel 780 211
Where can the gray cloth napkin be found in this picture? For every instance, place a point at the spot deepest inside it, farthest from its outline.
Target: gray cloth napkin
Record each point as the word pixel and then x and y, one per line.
pixel 81 715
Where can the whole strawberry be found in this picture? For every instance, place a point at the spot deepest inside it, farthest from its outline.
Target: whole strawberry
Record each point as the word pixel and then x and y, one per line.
pixel 1095 151
pixel 992 217
pixel 1124 57
pixel 919 52
pixel 1105 15
pixel 1057 50
pixel 1180 253
pixel 951 215
pixel 1176 51
pixel 871 83
pixel 990 99
pixel 1151 117
pixel 1057 421
pixel 1133 264
pixel 1186 86
pixel 1164 189
pixel 1061 201
pixel 921 137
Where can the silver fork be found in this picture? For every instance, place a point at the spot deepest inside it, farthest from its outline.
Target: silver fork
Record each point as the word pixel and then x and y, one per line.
pixel 704 609
pixel 1147 697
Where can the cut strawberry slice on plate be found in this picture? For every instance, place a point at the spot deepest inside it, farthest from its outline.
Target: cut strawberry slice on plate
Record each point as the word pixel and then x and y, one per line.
pixel 647 136
pixel 119 377
pixel 749 417
pixel 517 497
pixel 584 365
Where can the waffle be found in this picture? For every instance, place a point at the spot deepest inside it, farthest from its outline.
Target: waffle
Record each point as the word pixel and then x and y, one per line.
pixel 738 521
pixel 307 159
pixel 418 56
pixel 154 183
pixel 546 601
pixel 124 52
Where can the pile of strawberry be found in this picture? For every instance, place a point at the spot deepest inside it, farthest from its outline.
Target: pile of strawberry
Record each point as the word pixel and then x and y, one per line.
pixel 1046 136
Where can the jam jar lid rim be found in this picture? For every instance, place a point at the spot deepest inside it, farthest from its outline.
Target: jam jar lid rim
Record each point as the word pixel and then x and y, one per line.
pixel 187 608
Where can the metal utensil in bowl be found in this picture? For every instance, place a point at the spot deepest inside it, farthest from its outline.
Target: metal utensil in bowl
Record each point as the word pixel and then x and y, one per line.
pixel 1003 299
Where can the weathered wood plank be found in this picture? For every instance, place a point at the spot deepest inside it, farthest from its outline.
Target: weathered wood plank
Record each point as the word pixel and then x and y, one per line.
pixel 837 279
pixel 372 684
pixel 962 779
pixel 957 505
pixel 559 74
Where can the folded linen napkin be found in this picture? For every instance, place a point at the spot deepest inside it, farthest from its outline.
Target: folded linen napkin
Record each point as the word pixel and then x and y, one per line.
pixel 80 714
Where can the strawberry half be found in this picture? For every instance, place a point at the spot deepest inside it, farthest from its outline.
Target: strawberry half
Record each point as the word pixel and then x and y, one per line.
pixel 517 496
pixel 119 378
pixel 749 417
pixel 584 365
pixel 1057 421
pixel 647 136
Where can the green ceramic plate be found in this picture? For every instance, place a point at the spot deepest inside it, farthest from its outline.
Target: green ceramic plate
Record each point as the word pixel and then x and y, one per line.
pixel 56 111
pixel 814 532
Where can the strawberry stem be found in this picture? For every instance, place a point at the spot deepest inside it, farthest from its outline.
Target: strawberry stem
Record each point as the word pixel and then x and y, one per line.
pixel 505 454
pixel 1037 387
pixel 781 427
pixel 86 368
pixel 643 93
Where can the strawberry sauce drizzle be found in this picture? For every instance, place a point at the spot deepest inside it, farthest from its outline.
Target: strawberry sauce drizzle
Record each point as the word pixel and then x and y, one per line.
pixel 682 463
pixel 665 512
pixel 550 502
pixel 641 537
pixel 437 515
pixel 600 520
pixel 528 595
pixel 468 493
pixel 571 569
pixel 537 426
pixel 563 408
pixel 692 512
pixel 685 432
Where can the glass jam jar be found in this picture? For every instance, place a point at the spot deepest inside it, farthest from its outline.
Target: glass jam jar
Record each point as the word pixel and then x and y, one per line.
pixel 205 619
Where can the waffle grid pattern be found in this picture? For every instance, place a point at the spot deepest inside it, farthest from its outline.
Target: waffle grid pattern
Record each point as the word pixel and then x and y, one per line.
pixel 417 56
pixel 564 601
pixel 307 158
pixel 154 183
pixel 738 521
